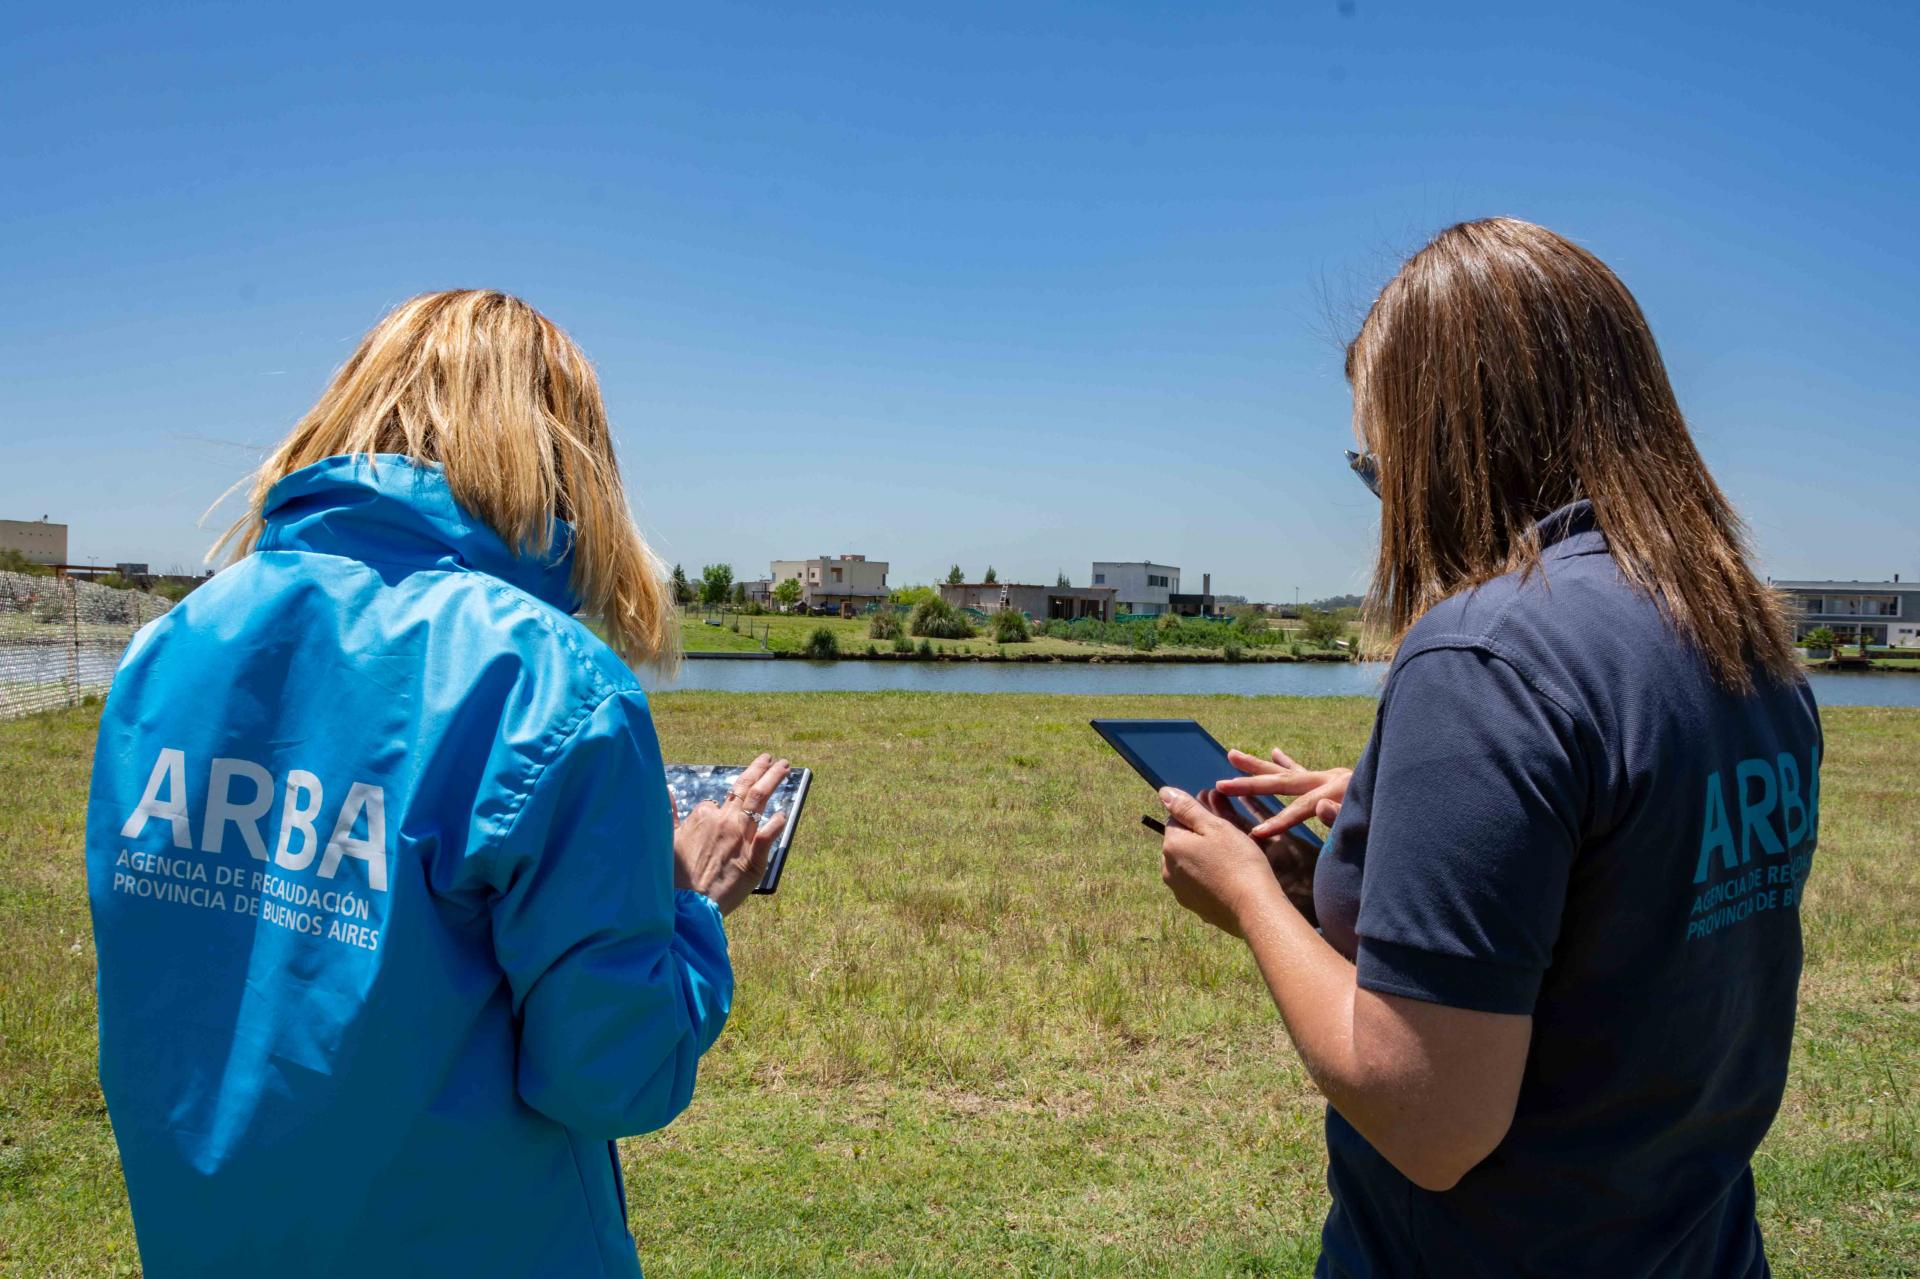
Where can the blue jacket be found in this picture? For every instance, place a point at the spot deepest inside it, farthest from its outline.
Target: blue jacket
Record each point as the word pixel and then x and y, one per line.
pixel 379 850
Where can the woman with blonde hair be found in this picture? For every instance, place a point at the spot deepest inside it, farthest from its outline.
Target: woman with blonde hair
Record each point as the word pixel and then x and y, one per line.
pixel 1551 997
pixel 396 931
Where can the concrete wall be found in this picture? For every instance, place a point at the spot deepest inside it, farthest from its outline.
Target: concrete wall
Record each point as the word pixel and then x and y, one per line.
pixel 39 541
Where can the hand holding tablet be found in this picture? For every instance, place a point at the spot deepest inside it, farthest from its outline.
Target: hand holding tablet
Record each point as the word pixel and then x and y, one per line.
pixel 1181 754
pixel 771 794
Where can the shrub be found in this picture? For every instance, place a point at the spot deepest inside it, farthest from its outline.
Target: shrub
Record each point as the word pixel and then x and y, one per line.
pixel 1297 649
pixel 1819 637
pixel 902 644
pixel 822 643
pixel 926 648
pixel 1010 627
pixel 872 651
pixel 1232 650
pixel 1168 621
pixel 1145 637
pixel 939 620
pixel 885 624
pixel 1057 629
pixel 1321 628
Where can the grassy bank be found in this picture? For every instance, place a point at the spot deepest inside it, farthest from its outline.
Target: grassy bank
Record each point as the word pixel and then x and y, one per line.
pixel 974 1037
pixel 786 635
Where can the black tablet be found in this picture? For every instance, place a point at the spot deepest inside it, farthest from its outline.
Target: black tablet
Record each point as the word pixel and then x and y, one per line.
pixel 1180 753
pixel 691 783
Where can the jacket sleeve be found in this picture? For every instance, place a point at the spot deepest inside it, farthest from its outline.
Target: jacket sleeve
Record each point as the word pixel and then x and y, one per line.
pixel 619 980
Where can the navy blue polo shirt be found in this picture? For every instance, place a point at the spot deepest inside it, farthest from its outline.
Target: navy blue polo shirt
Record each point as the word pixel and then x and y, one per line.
pixel 1562 814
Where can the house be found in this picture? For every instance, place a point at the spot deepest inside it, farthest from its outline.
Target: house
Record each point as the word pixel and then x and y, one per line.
pixel 833 580
pixel 1880 612
pixel 1139 586
pixel 1041 603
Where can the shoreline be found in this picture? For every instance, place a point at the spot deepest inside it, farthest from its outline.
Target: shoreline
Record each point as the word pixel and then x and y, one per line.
pixel 1036 659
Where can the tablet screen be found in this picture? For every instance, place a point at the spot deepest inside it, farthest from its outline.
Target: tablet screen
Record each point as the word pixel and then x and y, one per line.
pixel 689 784
pixel 1180 753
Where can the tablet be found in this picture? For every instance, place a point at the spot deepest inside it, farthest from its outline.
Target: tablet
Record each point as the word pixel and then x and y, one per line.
pixel 691 783
pixel 1180 753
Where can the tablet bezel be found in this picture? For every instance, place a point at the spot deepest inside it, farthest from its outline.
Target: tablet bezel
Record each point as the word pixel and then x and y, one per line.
pixel 1113 732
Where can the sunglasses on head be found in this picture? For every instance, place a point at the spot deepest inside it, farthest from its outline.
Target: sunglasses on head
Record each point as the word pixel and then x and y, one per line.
pixel 1367 467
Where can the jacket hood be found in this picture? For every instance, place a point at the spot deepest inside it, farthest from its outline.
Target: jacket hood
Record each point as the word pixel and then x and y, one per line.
pixel 388 509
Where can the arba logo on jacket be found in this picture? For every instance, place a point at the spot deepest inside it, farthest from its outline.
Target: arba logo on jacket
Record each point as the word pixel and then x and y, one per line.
pixel 239 796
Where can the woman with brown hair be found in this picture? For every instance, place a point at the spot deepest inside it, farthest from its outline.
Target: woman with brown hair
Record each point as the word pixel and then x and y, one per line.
pixel 1551 994
pixel 396 931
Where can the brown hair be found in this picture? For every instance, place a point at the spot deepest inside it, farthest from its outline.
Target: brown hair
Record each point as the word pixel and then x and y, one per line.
pixel 507 405
pixel 1505 372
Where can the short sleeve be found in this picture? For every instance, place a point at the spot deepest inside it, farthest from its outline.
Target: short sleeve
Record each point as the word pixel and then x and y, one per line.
pixel 1473 825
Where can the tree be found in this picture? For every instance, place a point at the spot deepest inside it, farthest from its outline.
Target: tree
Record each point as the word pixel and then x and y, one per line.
pixel 716 580
pixel 740 594
pixel 1060 578
pixel 955 577
pixel 912 596
pixel 1820 637
pixel 682 589
pixel 787 594
pixel 991 576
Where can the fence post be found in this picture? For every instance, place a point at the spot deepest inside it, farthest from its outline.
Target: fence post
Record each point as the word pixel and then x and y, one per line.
pixel 73 640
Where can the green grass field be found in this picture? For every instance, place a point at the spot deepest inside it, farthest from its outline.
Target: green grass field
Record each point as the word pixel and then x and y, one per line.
pixel 974 1037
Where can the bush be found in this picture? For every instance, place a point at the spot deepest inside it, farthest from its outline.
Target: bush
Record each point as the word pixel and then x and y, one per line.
pixel 1232 650
pixel 1145 637
pixel 939 620
pixel 1010 627
pixel 926 648
pixel 902 644
pixel 872 651
pixel 885 624
pixel 1819 637
pixel 822 643
pixel 1321 628
pixel 1057 629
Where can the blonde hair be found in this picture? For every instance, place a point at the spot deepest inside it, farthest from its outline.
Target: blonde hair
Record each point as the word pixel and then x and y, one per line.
pixel 504 402
pixel 1505 372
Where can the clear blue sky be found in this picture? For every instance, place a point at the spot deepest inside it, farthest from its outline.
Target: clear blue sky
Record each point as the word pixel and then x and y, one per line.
pixel 1027 285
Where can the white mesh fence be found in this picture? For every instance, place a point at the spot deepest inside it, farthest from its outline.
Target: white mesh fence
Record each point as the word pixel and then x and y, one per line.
pixel 61 639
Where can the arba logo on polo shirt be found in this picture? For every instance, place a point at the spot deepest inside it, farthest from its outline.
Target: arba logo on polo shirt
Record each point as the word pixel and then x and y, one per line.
pixel 302 800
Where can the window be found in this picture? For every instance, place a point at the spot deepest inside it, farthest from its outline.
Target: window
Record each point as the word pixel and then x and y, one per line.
pixel 1156 579
pixel 1099 579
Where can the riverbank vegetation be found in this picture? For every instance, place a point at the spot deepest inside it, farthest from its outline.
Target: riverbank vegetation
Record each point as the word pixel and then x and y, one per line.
pixel 953 633
pixel 973 1035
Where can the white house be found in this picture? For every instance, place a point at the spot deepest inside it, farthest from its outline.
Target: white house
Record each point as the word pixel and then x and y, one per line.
pixel 1139 586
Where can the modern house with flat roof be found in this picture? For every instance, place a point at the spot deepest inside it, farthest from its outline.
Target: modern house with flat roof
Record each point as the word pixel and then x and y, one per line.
pixel 1879 612
pixel 833 580
pixel 1139 586
pixel 39 541
pixel 1041 603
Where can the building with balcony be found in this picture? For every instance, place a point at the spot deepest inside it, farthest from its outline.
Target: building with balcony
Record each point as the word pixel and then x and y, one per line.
pixel 833 580
pixel 1883 613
